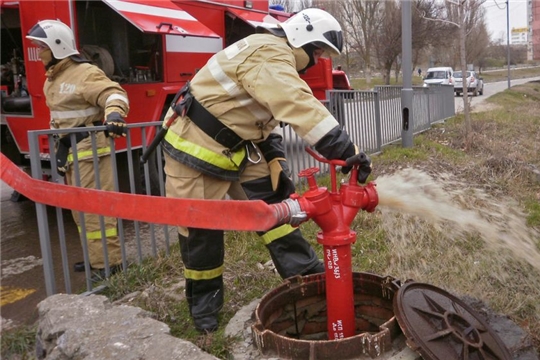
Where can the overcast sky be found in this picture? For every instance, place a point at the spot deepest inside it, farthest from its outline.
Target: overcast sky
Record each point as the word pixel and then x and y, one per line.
pixel 496 16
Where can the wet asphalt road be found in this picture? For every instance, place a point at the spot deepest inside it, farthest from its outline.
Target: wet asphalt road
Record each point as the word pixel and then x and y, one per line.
pixel 22 282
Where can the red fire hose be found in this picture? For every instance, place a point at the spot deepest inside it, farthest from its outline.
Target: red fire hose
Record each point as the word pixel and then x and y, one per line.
pixel 207 214
pixel 332 210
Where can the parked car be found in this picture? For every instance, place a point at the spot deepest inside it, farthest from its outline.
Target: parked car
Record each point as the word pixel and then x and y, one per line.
pixel 475 83
pixel 438 75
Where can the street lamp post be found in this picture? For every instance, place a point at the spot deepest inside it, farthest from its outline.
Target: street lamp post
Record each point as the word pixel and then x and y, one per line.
pixel 407 118
pixel 508 39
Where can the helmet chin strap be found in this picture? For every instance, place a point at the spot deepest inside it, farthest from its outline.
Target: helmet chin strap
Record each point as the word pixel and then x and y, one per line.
pixel 308 49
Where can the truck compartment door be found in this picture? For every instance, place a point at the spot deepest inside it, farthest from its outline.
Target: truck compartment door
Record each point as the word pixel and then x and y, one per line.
pixel 251 17
pixel 188 42
pixel 160 16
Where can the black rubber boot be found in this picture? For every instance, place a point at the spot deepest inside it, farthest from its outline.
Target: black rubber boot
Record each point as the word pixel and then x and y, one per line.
pixel 203 324
pixel 79 267
pixel 17 196
pixel 293 255
pixel 202 254
pixel 205 304
pixel 317 269
pixel 100 275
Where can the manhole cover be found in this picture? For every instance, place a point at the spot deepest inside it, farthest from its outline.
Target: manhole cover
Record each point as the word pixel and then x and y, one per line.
pixel 440 326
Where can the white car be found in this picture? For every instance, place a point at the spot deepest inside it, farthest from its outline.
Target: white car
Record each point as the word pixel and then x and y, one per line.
pixel 438 76
pixel 475 84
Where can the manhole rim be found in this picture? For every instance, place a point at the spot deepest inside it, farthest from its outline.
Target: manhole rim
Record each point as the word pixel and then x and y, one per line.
pixel 371 343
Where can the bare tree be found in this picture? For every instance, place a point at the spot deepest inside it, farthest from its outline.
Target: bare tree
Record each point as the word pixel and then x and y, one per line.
pixel 388 44
pixel 360 22
pixel 334 7
pixel 426 34
pixel 431 37
pixel 463 14
pixel 477 43
pixel 476 34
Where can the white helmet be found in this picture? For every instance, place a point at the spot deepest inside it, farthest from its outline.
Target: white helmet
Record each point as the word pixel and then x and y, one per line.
pixel 56 35
pixel 314 26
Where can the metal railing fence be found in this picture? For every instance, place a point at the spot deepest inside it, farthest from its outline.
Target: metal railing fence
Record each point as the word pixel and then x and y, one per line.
pixel 127 177
pixel 372 119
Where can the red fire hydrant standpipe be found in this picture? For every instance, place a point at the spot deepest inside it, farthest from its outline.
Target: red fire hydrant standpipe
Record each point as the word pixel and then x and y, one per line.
pixel 334 212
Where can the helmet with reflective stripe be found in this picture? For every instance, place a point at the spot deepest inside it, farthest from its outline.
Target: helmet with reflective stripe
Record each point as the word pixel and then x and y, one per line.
pixel 56 35
pixel 314 26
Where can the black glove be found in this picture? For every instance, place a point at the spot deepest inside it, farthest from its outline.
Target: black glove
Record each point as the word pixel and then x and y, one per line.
pixel 62 151
pixel 364 166
pixel 116 126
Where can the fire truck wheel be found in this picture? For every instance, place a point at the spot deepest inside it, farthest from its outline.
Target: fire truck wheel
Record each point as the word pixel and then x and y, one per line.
pixel 99 57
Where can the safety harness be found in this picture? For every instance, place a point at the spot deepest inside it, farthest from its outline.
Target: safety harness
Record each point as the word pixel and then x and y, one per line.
pixel 184 103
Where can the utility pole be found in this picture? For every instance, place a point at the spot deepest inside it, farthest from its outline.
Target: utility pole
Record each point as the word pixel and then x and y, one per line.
pixel 462 7
pixel 407 118
pixel 508 39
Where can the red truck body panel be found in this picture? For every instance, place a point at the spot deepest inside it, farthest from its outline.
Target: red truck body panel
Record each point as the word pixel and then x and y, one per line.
pixel 151 47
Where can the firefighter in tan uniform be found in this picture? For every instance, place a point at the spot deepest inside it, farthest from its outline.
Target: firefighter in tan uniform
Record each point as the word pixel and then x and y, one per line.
pixel 223 143
pixel 79 94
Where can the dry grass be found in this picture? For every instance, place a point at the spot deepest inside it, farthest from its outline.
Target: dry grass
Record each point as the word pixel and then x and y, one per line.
pixel 492 178
pixel 498 178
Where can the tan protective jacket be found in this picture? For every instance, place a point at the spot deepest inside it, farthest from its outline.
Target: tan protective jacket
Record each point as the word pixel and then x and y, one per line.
pixel 251 87
pixel 81 94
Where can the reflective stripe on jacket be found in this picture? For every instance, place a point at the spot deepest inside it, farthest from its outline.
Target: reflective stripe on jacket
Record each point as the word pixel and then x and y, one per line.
pixel 252 86
pixel 224 166
pixel 80 94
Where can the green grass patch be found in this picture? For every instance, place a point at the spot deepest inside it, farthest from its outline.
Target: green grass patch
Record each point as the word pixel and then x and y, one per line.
pixel 502 74
pixel 19 342
pixel 508 98
pixel 362 84
pixel 397 153
pixel 532 207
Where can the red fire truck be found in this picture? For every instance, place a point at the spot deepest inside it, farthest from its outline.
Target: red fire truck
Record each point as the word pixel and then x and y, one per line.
pixel 150 47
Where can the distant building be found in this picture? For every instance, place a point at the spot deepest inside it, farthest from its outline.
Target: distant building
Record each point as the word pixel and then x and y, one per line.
pixel 533 15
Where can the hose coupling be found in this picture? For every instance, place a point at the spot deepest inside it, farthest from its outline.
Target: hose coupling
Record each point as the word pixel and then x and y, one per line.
pixel 297 216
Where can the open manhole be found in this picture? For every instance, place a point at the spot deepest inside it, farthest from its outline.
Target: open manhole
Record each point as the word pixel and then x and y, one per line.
pixel 291 322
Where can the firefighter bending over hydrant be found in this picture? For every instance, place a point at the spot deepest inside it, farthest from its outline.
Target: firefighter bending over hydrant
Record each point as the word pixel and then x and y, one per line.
pixel 79 94
pixel 223 143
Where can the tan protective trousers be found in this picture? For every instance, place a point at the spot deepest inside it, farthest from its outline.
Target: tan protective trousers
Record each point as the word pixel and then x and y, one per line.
pixel 91 221
pixel 188 183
